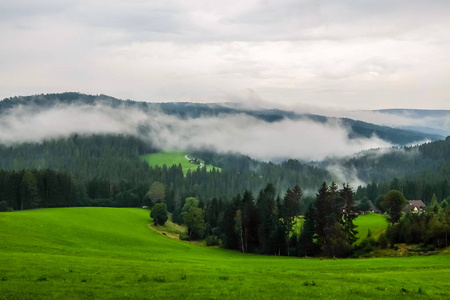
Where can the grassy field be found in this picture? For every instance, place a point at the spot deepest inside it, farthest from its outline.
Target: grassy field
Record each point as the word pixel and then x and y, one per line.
pixel 375 222
pixel 112 253
pixel 172 158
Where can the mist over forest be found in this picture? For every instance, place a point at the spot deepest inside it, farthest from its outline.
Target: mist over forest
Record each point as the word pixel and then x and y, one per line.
pixel 263 134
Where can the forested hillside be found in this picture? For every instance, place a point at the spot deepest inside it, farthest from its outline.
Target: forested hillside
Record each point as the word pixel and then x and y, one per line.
pixel 419 172
pixel 108 171
pixel 430 161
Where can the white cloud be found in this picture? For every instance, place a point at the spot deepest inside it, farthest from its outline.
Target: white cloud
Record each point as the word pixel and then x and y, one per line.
pixel 305 140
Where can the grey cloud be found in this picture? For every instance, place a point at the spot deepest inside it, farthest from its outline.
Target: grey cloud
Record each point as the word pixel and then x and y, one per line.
pixel 368 53
pixel 202 21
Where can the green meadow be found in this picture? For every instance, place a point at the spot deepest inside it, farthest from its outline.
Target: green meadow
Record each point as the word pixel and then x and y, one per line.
pixel 172 158
pixel 375 222
pixel 113 253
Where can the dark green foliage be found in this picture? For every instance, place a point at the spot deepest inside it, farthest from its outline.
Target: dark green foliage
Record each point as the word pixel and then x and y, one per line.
pixel 329 223
pixel 176 216
pixel 230 238
pixel 106 165
pixel 323 214
pixel 29 193
pixel 394 202
pixel 306 244
pixel 212 240
pixel 349 214
pixel 336 243
pixel 290 208
pixel 45 188
pixel 419 172
pixel 268 216
pixel 364 204
pixel 159 214
pixel 427 228
pixel 194 219
pixel 250 222
pixel 365 248
pixel 3 206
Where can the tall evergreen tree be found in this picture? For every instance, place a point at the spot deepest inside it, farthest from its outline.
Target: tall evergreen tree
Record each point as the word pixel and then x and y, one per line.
pixel 291 206
pixel 306 244
pixel 266 206
pixel 29 194
pixel 349 214
pixel 250 222
pixel 323 210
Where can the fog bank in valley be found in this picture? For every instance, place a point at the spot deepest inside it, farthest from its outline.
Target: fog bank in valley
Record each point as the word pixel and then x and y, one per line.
pixel 305 140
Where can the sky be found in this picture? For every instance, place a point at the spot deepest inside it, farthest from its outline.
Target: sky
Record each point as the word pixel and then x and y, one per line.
pixel 349 54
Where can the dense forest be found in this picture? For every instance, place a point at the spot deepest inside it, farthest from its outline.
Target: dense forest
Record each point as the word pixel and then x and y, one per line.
pixel 107 167
pixel 427 162
pixel 419 172
pixel 264 224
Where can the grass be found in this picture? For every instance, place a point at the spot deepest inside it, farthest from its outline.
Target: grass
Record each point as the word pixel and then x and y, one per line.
pixel 375 222
pixel 169 229
pixel 172 158
pixel 112 253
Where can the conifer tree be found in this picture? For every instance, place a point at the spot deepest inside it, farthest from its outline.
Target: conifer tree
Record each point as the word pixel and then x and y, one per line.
pixel 307 247
pixel 29 194
pixel 266 206
pixel 349 214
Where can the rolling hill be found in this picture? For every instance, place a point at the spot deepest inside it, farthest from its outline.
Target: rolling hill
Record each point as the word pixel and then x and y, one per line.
pixel 111 253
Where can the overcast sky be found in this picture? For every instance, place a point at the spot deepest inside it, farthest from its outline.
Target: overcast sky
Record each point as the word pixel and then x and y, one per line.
pixel 351 54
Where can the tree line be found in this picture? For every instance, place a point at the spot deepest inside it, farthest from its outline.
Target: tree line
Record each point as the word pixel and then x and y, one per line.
pixel 265 223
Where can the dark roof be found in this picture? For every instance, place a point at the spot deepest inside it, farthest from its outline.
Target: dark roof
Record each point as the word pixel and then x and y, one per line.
pixel 417 203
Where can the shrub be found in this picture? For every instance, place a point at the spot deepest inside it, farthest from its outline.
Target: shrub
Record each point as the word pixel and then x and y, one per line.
pixel 212 240
pixel 184 236
pixel 159 213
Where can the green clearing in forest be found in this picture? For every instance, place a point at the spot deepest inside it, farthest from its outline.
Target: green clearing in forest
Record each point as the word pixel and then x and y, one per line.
pixel 111 253
pixel 375 222
pixel 172 158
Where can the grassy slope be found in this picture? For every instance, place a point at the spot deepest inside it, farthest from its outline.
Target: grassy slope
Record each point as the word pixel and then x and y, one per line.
pixel 91 253
pixel 375 222
pixel 171 158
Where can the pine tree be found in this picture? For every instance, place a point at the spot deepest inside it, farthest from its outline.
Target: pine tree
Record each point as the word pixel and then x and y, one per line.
pixel 323 210
pixel 349 214
pixel 29 194
pixel 306 239
pixel 250 222
pixel 266 207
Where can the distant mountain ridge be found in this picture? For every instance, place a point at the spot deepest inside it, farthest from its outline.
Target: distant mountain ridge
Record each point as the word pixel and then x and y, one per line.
pixel 430 121
pixel 185 110
pixel 415 112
